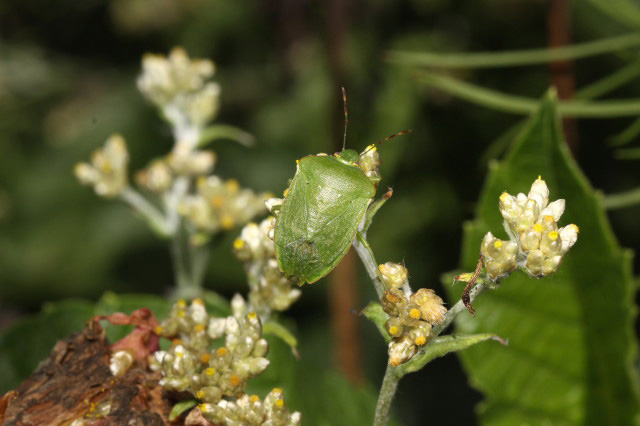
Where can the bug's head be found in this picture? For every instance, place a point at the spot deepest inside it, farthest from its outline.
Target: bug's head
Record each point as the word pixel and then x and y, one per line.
pixel 348 156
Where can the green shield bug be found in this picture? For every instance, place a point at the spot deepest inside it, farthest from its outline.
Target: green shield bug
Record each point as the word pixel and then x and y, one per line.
pixel 319 217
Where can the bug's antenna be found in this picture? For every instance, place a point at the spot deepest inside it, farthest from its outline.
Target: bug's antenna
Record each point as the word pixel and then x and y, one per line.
pixel 346 118
pixel 404 132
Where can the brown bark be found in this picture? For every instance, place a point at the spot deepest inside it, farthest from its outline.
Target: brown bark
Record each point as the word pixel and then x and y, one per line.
pixel 75 382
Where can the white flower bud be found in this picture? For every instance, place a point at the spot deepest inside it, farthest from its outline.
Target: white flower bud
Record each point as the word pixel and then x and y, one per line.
pixel 216 327
pixel 528 217
pixel 120 362
pixel 551 243
pixel 509 207
pixel 535 258
pixel 238 305
pixel 550 265
pixel 530 240
pixel 232 326
pixel 401 350
pixel 554 209
pixel 258 365
pixel 394 275
pixel 272 203
pixel 569 236
pixel 539 193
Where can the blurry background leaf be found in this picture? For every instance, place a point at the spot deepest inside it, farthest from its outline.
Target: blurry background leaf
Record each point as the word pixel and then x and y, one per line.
pixel 571 346
pixel 28 342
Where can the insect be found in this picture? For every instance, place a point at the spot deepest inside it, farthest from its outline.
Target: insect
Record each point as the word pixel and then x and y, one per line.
pixel 323 207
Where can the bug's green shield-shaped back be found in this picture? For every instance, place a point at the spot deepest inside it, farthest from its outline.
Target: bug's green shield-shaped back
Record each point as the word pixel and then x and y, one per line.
pixel 320 216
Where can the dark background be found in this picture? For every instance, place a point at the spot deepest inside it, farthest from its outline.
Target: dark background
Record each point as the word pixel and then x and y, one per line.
pixel 67 81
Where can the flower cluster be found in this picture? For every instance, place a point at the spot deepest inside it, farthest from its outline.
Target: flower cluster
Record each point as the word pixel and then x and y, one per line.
pixel 536 243
pixel 215 376
pixel 219 204
pixel 269 289
pixel 251 411
pixel 178 86
pixel 412 315
pixel 187 192
pixel 107 172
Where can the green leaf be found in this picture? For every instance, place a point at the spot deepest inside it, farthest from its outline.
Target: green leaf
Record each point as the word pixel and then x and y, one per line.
pixel 379 317
pixel 26 343
pixel 571 346
pixel 216 304
pixel 281 332
pixel 441 346
pixel 180 408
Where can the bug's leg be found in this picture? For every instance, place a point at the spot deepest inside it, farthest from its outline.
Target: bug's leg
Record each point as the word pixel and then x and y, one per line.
pixel 465 293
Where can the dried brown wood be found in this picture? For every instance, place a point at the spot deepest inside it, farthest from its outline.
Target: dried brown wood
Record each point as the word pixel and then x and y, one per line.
pixel 75 382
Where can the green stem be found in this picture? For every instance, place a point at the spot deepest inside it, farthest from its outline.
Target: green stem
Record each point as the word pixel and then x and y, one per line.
pixel 523 105
pixel 369 261
pixel 611 82
pixel 627 135
pixel 179 256
pixel 621 200
pixel 514 57
pixel 200 255
pixel 148 211
pixel 223 131
pixel 385 397
pixel 456 309
pixel 627 154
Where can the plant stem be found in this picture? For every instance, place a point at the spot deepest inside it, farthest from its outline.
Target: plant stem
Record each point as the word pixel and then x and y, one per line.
pixel 369 261
pixel 622 199
pixel 523 105
pixel 385 397
pixel 456 309
pixel 148 211
pixel 514 58
pixel 180 264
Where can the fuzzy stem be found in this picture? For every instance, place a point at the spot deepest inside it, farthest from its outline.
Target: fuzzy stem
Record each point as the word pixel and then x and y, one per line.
pixel 456 309
pixel 148 211
pixel 181 262
pixel 369 261
pixel 385 397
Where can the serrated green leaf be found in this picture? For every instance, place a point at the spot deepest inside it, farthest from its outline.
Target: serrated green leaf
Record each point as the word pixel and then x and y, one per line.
pixel 180 408
pixel 442 345
pixel 569 359
pixel 379 317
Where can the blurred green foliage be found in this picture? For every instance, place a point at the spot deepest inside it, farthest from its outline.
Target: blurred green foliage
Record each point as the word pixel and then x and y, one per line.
pixel 67 81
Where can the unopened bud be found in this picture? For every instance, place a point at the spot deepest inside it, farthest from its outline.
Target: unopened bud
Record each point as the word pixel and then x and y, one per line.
pixel 401 350
pixel 394 275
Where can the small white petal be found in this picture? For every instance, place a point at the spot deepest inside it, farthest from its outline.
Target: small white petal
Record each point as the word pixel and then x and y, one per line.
pixel 555 210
